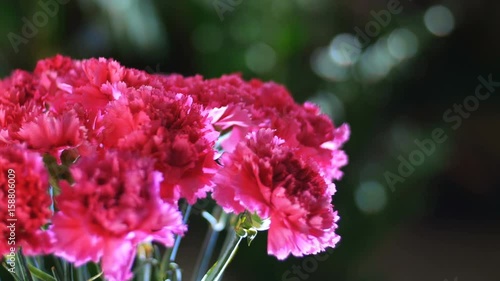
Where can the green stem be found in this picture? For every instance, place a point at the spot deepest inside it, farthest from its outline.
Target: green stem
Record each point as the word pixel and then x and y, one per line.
pixel 178 239
pixel 146 272
pixel 215 273
pixel 171 253
pixel 216 224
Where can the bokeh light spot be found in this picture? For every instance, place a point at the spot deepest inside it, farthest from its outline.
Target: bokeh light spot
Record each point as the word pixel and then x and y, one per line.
pixel 324 66
pixel 345 49
pixel 260 58
pixel 439 20
pixel 402 43
pixel 376 62
pixel 370 197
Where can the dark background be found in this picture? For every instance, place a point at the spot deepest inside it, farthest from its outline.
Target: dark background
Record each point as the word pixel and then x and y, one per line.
pixel 441 222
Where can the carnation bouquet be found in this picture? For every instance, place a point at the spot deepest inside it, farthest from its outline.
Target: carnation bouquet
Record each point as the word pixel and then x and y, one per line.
pixel 100 166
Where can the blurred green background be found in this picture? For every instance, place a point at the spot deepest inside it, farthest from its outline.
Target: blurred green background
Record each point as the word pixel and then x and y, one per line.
pixel 391 69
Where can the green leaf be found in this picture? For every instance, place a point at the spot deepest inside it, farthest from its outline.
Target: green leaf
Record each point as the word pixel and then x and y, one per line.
pixel 23 266
pixel 40 274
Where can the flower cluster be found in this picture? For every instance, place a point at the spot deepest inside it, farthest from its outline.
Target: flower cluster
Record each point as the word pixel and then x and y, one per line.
pixel 121 147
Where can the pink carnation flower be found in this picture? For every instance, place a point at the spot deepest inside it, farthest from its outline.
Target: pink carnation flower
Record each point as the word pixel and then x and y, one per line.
pixel 170 129
pixel 24 120
pixel 228 100
pixel 212 93
pixel 14 116
pixel 18 88
pixel 113 206
pixel 17 105
pixel 85 86
pixel 23 175
pixel 266 176
pixel 52 134
pixel 314 136
pixel 321 140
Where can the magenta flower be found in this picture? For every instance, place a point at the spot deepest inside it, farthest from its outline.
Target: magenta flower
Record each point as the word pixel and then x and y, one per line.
pixel 265 176
pixel 23 176
pixel 312 133
pixel 170 129
pixel 113 206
